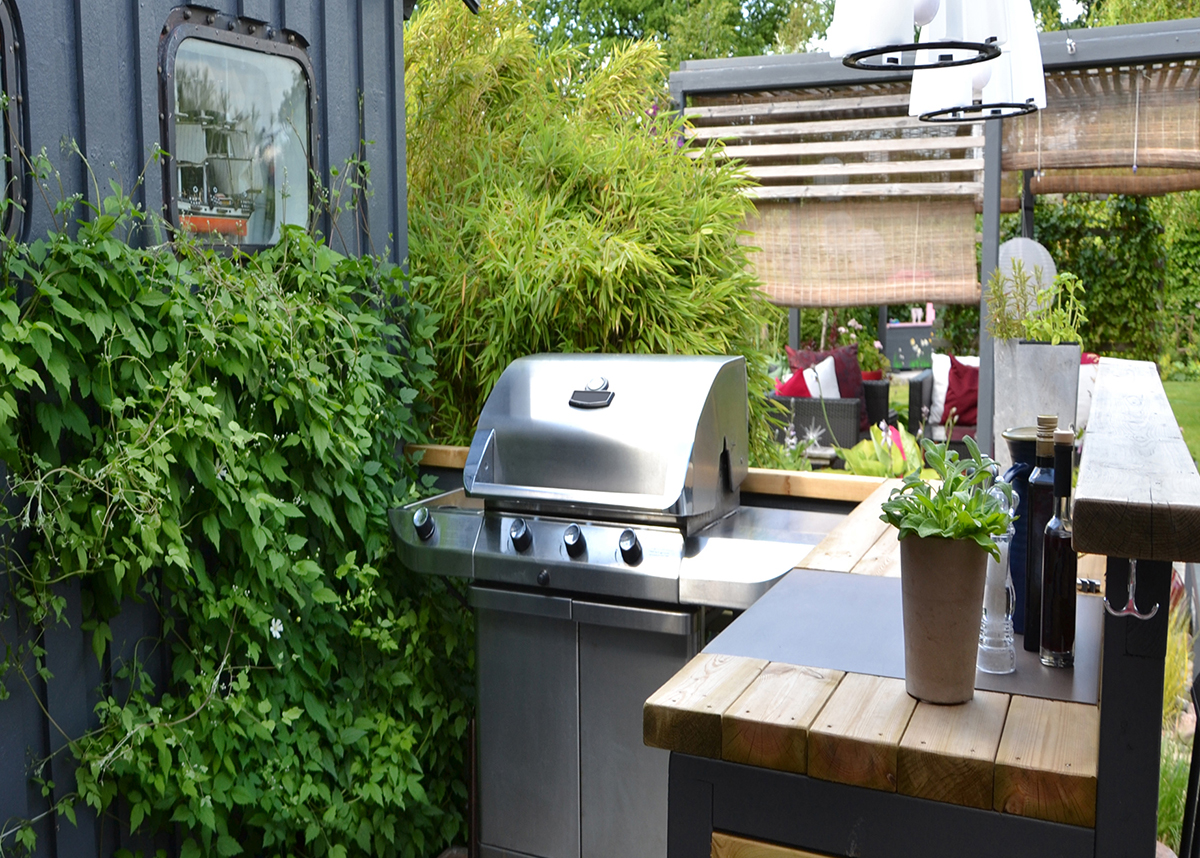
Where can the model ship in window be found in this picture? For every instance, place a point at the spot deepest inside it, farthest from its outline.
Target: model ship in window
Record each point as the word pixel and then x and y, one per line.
pixel 240 153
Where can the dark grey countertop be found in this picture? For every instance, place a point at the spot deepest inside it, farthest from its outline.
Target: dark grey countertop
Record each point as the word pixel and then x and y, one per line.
pixel 853 622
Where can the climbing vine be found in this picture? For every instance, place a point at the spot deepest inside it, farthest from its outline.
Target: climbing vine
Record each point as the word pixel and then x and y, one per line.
pixel 219 435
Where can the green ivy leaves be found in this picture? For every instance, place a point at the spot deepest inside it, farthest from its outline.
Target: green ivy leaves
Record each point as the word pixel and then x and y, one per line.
pixel 219 436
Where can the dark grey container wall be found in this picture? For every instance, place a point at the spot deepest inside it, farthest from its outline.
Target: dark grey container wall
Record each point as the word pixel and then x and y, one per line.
pixel 89 74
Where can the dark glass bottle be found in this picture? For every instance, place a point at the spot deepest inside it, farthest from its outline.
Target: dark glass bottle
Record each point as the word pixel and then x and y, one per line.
pixel 1040 509
pixel 1059 564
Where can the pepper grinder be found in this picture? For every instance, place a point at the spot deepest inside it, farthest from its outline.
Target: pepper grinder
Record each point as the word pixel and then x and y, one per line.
pixel 997 650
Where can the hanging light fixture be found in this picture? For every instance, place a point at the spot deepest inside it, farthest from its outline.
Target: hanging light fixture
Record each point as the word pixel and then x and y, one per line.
pixel 1012 84
pixel 877 35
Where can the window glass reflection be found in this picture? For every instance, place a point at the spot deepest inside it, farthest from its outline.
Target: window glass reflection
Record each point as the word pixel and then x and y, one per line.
pixel 241 132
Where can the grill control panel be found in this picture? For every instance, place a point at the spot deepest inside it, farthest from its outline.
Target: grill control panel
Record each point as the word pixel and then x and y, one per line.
pixel 639 562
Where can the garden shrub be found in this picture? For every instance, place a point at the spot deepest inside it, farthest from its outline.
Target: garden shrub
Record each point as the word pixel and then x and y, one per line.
pixel 1115 246
pixel 221 435
pixel 556 211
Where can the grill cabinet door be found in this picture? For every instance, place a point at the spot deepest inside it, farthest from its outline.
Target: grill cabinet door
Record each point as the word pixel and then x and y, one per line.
pixel 625 655
pixel 528 724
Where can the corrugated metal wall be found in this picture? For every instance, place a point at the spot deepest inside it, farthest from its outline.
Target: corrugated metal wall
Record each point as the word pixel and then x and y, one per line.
pixel 90 74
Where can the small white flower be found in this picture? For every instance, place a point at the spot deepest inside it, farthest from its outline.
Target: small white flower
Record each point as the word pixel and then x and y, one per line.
pixel 277 628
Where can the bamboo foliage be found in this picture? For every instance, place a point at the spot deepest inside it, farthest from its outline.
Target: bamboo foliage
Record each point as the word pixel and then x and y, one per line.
pixel 553 211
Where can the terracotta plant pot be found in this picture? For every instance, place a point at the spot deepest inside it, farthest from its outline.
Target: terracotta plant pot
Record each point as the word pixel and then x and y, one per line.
pixel 872 374
pixel 941 584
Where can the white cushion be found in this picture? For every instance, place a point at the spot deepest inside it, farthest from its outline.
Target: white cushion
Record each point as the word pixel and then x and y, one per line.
pixel 941 384
pixel 821 379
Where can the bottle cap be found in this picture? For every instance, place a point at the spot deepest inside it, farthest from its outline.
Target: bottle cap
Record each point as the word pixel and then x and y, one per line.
pixel 1064 436
pixel 1047 423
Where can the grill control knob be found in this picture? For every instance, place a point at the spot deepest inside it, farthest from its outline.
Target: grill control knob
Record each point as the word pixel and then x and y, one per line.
pixel 631 549
pixel 520 534
pixel 573 539
pixel 423 524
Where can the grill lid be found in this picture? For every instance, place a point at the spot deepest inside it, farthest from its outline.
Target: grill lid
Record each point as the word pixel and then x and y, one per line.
pixel 654 437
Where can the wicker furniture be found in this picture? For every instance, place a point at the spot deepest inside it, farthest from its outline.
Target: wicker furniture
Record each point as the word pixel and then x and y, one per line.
pixel 803 413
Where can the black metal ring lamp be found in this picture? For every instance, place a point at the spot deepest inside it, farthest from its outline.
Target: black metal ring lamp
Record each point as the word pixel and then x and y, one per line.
pixel 984 51
pixel 999 110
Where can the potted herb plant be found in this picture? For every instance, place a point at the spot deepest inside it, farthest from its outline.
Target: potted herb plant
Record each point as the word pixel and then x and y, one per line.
pixel 946 534
pixel 1036 348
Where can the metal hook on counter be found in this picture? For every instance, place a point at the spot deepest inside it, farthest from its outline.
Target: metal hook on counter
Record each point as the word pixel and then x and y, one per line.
pixel 1130 609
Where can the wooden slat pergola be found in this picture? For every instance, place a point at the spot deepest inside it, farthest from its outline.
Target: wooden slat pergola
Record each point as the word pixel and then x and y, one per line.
pixel 846 177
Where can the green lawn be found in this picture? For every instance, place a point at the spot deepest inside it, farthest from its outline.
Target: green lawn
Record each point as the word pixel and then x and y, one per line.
pixel 1185 402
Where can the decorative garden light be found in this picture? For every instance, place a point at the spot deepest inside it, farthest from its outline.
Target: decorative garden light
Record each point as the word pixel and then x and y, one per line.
pixel 878 34
pixel 1009 85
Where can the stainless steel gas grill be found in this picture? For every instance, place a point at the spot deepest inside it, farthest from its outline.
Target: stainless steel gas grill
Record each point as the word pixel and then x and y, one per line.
pixel 601 526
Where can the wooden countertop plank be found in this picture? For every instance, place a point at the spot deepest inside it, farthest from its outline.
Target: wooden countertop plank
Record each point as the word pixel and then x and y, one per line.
pixel 685 714
pixel 440 455
pixel 768 725
pixel 809 484
pixel 1138 493
pixel 1047 759
pixel 856 737
pixel 730 846
pixel 883 558
pixel 948 752
pixel 846 544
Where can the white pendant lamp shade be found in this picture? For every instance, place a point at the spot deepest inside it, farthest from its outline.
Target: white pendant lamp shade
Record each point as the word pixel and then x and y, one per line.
pixel 1018 77
pixel 860 25
pixel 1009 85
pixel 878 34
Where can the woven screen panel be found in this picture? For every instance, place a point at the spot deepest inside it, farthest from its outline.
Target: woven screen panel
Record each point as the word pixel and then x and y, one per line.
pixel 850 253
pixel 1132 130
pixel 857 202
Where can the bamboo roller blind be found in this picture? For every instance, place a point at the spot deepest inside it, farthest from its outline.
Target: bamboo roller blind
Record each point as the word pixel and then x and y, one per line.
pixel 1099 124
pixel 857 203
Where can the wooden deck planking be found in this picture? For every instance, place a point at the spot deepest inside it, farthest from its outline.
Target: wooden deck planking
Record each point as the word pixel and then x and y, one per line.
pixel 768 725
pixel 685 714
pixel 846 544
pixel 731 846
pixel 948 752
pixel 855 740
pixel 1047 760
pixel 882 559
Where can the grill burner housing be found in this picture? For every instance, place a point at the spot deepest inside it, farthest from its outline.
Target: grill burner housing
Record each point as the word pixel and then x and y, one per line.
pixel 600 524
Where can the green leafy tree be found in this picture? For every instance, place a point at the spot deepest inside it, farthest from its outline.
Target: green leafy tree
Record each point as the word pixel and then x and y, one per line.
pixel 1106 13
pixel 598 26
pixel 552 210
pixel 1115 246
pixel 807 22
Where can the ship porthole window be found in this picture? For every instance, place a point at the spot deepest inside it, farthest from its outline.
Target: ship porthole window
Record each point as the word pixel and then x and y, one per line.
pixel 16 178
pixel 238 131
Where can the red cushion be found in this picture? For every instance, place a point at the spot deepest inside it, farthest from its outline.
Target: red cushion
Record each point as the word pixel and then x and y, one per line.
pixel 845 365
pixel 794 386
pixel 962 394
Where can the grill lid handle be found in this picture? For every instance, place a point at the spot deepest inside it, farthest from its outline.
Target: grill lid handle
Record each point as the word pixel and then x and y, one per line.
pixel 591 398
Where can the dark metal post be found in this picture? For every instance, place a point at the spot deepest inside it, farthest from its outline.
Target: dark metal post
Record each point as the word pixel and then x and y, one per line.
pixel 794 327
pixel 1131 714
pixel 1026 205
pixel 992 141
pixel 881 334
